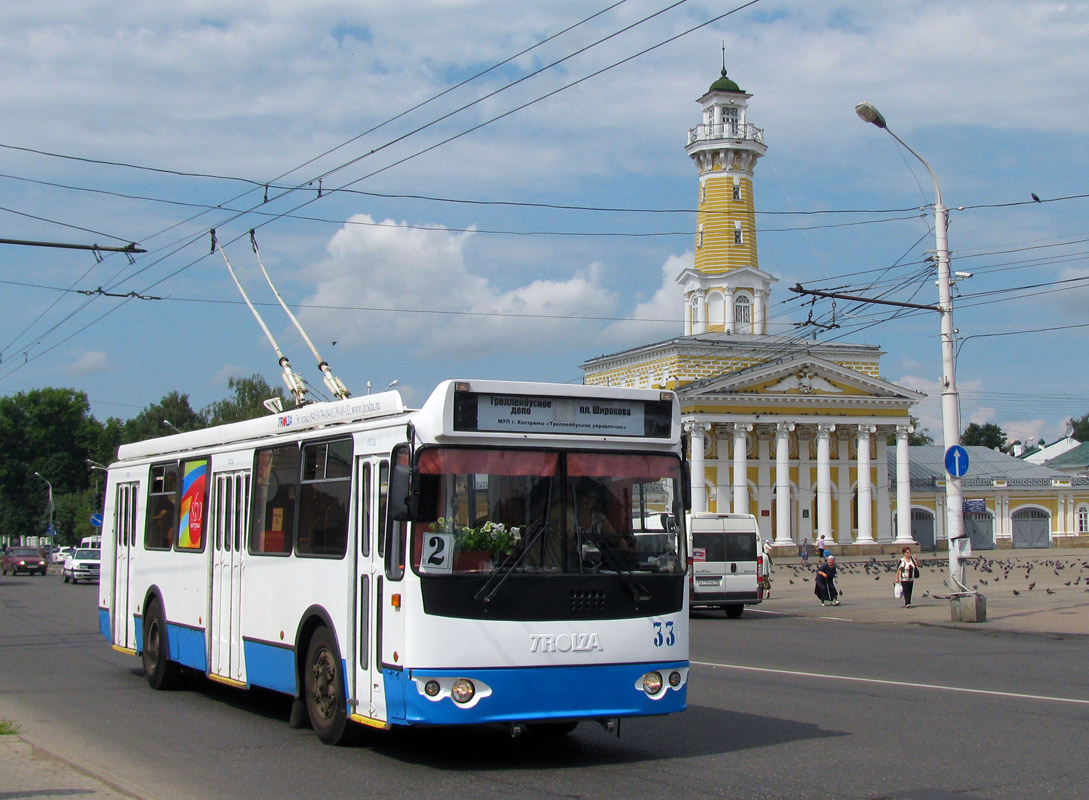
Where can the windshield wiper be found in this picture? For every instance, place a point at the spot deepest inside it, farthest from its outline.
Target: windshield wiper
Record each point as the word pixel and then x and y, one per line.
pixel 487 591
pixel 638 592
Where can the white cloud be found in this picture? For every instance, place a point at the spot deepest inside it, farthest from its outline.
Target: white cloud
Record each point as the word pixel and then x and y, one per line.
pixel 1073 297
pixel 660 317
pixel 403 278
pixel 87 363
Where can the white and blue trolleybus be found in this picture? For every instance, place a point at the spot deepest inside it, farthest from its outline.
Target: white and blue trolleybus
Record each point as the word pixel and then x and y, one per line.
pixel 484 559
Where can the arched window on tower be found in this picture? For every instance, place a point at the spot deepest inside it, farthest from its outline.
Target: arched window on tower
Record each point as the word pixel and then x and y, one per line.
pixel 743 314
pixel 739 237
pixel 737 188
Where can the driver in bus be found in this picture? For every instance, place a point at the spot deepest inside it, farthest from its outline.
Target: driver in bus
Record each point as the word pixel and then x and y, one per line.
pixel 587 524
pixel 590 522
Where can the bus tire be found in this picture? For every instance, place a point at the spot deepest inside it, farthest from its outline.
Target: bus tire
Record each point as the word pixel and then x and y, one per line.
pixel 323 681
pixel 160 671
pixel 735 611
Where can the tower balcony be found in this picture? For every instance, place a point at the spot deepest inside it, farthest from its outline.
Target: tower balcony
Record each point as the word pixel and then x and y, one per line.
pixel 726 132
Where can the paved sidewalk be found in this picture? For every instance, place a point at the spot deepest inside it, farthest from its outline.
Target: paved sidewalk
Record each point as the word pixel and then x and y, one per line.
pixel 31 772
pixel 1027 591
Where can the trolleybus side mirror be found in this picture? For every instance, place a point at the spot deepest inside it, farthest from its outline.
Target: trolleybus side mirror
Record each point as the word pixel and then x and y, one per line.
pixel 400 485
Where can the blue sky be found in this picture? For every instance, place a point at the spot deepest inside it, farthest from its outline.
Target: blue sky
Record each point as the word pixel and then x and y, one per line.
pixel 583 197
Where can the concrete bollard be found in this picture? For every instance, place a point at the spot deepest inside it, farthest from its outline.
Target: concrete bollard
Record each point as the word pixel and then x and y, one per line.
pixel 968 607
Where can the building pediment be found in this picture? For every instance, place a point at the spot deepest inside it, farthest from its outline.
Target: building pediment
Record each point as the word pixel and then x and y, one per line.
pixel 800 378
pixel 691 278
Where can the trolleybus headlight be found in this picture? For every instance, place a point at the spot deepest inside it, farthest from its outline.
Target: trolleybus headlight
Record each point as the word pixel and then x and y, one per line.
pixel 431 688
pixel 652 683
pixel 674 679
pixel 462 691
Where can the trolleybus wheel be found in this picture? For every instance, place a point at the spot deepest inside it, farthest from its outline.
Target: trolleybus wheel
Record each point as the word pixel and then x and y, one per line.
pixel 160 671
pixel 326 703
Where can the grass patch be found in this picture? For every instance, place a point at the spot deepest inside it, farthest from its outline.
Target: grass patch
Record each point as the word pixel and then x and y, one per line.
pixel 8 728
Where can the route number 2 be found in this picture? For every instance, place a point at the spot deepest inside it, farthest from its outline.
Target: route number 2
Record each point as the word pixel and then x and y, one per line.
pixel 438 553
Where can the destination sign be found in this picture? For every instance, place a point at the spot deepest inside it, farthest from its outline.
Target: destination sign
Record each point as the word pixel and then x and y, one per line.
pixel 528 414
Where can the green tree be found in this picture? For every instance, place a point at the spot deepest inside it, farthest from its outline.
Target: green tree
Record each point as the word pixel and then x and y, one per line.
pixel 1081 428
pixel 247 402
pixel 919 436
pixel 50 432
pixel 73 514
pixel 148 424
pixel 986 435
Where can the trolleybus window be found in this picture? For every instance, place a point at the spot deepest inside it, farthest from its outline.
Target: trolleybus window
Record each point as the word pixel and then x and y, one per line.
pixel 176 500
pixel 323 498
pixel 162 508
pixel 301 499
pixel 544 512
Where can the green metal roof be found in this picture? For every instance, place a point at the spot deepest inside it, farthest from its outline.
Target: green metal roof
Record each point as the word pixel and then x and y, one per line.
pixel 724 84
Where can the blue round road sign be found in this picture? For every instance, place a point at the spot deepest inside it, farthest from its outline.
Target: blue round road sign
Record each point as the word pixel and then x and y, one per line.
pixel 956 461
pixel 96 520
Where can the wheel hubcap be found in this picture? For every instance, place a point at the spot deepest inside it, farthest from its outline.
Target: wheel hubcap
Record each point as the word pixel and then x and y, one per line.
pixel 323 684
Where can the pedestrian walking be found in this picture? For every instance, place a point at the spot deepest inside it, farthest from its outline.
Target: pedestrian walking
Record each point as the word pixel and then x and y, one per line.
pixel 825 583
pixel 906 573
pixel 765 568
pixel 803 551
pixel 822 547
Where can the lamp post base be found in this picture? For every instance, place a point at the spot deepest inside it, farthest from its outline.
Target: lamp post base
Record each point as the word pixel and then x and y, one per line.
pixel 967 607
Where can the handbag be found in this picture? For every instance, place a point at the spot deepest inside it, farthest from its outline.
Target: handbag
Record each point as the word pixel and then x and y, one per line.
pixel 897 590
pixel 914 572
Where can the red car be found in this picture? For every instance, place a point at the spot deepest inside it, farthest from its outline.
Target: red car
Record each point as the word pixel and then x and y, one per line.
pixel 23 559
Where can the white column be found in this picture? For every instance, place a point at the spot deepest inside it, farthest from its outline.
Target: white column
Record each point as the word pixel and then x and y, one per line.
pixel 723 487
pixel 701 298
pixel 728 312
pixel 843 487
pixel 824 482
pixel 699 476
pixel 759 312
pixel 782 482
pixel 903 487
pixel 884 501
pixel 805 484
pixel 941 530
pixel 763 482
pixel 865 486
pixel 741 469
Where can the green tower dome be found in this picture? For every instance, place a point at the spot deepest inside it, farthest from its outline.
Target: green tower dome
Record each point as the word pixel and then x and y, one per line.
pixel 724 84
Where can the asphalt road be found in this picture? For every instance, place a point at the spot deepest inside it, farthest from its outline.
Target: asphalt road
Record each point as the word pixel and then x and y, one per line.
pixel 781 706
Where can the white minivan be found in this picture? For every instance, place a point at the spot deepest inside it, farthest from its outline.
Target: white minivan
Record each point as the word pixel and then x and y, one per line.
pixel 725 562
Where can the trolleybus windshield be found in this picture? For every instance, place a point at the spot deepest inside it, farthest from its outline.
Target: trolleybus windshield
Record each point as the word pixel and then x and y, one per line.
pixel 545 512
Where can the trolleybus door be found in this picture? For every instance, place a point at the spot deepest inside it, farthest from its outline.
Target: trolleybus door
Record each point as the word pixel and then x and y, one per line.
pixel 367 698
pixel 124 530
pixel 228 550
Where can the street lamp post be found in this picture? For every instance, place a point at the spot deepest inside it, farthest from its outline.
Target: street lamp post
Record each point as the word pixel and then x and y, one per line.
pixel 954 502
pixel 47 483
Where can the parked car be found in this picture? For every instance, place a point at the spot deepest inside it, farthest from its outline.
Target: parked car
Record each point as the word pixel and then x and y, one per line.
pixel 60 554
pixel 23 559
pixel 82 564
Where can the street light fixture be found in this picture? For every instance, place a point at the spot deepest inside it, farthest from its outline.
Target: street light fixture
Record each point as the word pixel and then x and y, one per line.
pixel 47 483
pixel 172 426
pixel 954 500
